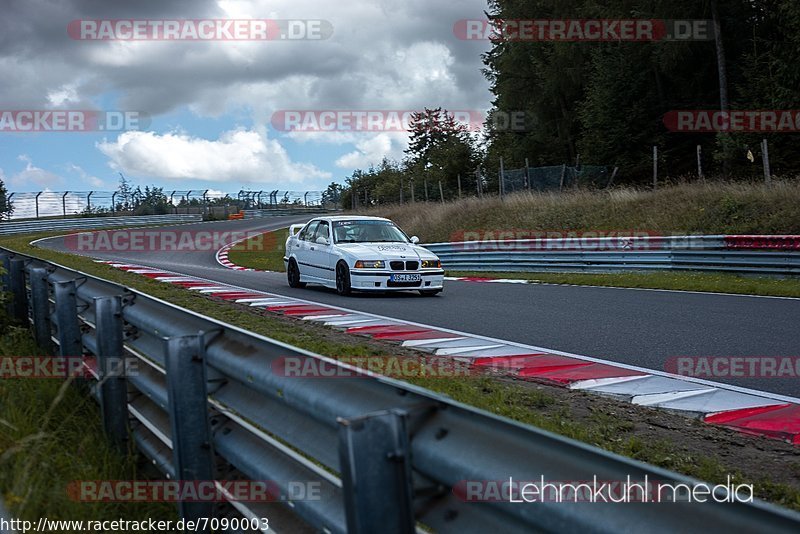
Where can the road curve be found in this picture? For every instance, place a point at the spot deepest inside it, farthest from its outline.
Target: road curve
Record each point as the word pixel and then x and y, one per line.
pixel 635 327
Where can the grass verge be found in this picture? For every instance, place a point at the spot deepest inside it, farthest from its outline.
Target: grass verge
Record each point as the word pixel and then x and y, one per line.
pixel 698 208
pixel 264 252
pixel 707 282
pixel 51 435
pixel 659 438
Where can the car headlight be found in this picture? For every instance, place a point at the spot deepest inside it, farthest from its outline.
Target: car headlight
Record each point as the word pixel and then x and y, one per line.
pixel 431 264
pixel 371 264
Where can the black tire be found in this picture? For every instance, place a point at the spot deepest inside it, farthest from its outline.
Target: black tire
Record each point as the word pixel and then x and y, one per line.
pixel 343 286
pixel 429 292
pixel 293 275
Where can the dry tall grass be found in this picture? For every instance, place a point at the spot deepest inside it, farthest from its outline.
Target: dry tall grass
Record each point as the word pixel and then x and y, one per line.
pixel 707 208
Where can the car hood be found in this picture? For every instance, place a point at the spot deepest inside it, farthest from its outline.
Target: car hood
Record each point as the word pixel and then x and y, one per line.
pixel 386 251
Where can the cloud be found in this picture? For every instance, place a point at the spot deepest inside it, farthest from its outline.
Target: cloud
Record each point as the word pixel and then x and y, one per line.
pixel 372 150
pixel 93 181
pixel 33 177
pixel 238 156
pixel 383 54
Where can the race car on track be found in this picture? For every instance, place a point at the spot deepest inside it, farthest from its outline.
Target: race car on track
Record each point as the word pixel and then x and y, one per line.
pixel 360 253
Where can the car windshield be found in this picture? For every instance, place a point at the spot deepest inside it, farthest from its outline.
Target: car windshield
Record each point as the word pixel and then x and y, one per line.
pixel 368 232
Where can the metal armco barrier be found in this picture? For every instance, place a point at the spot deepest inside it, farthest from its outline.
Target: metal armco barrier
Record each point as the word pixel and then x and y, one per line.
pixel 88 223
pixel 204 400
pixel 298 210
pixel 770 255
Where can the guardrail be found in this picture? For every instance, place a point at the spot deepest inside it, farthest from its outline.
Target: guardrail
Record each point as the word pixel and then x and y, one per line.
pixel 298 210
pixel 88 223
pixel 201 400
pixel 774 255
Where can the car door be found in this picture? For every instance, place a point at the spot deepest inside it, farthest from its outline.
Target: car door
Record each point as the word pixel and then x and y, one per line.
pixel 319 254
pixel 301 247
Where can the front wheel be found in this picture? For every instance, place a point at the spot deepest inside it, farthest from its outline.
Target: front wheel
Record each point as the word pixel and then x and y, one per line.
pixel 293 275
pixel 342 279
pixel 429 292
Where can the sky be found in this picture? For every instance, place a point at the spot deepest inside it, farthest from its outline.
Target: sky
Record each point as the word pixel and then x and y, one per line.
pixel 205 109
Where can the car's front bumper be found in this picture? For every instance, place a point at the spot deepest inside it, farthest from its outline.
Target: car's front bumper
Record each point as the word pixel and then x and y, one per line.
pixel 372 280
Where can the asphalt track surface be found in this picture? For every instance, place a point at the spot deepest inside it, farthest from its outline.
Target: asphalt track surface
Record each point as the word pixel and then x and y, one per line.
pixel 635 327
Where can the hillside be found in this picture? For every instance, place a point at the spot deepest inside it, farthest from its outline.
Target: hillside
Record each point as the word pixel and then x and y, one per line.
pixel 711 208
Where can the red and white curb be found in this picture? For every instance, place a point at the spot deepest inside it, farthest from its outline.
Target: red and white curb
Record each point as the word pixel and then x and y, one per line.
pixel 749 411
pixel 222 256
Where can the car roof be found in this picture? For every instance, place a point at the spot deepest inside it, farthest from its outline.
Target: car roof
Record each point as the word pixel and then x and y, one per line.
pixel 351 218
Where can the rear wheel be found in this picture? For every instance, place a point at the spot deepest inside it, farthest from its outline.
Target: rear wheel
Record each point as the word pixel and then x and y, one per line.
pixel 293 275
pixel 342 279
pixel 429 292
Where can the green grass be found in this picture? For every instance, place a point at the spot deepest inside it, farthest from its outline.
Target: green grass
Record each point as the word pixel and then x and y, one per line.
pixel 708 282
pixel 50 435
pixel 519 402
pixel 264 252
pixel 698 208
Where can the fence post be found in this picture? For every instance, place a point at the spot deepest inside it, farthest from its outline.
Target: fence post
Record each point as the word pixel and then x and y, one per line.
pixel 563 175
pixel 376 473
pixel 37 202
pixel 527 174
pixel 502 179
pixel 700 162
pixel 69 331
pixel 412 192
pixel 613 176
pixel 188 413
pixel 111 368
pixel 765 158
pixel 5 278
pixel 40 308
pixel 655 167
pixel 459 186
pixel 425 181
pixel 441 193
pixel 19 303
pixel 64 203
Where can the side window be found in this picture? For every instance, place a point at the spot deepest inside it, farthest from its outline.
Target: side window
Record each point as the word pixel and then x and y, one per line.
pixel 307 234
pixel 323 231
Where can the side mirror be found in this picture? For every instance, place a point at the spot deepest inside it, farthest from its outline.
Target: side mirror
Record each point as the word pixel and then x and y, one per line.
pixel 322 240
pixel 414 240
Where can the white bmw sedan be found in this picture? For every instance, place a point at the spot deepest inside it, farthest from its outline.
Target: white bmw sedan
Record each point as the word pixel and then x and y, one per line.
pixel 360 253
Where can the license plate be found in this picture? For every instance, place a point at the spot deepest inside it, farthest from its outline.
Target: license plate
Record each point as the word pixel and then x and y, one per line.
pixel 405 278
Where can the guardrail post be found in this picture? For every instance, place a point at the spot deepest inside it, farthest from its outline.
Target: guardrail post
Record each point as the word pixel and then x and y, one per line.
pixel 19 304
pixel 5 264
pixel 111 367
pixel 188 412
pixel 376 473
pixel 69 331
pixel 40 308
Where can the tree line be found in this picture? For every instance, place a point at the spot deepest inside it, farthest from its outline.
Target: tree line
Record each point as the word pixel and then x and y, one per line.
pixel 605 103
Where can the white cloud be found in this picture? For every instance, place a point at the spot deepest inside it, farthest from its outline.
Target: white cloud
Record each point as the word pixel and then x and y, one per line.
pixel 238 156
pixel 93 181
pixel 33 177
pixel 372 150
pixel 63 95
